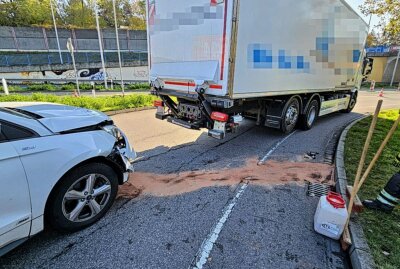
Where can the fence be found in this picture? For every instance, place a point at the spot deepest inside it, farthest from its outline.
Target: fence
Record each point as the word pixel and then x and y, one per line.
pixel 53 58
pixel 43 39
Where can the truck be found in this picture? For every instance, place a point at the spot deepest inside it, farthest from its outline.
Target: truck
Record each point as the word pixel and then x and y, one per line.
pixel 283 63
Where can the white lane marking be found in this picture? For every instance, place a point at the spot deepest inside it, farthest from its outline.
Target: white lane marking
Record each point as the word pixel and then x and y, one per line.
pixel 274 148
pixel 209 241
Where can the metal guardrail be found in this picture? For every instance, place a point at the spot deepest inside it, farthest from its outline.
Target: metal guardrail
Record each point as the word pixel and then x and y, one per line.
pixel 22 81
pixel 52 58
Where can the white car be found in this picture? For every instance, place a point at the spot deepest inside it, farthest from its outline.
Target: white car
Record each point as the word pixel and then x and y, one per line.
pixel 59 165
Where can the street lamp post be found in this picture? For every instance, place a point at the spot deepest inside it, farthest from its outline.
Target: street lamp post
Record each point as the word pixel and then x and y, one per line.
pixel 118 49
pixel 55 29
pixel 100 44
pixel 70 48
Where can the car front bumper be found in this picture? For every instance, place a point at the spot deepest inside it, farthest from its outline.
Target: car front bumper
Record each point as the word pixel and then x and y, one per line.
pixel 124 156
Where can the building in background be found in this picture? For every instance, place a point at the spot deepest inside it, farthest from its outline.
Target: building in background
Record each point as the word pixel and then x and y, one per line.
pixel 384 60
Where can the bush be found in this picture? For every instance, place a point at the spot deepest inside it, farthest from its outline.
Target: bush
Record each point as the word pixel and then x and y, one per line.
pixel 71 86
pixel 103 103
pixel 41 87
pixel 139 86
pixel 379 85
pixel 12 89
pixel 67 87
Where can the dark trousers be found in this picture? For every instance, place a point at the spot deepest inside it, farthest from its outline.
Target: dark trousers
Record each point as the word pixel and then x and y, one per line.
pixel 390 195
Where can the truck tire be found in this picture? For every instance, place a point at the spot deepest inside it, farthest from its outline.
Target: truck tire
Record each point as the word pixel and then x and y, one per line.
pixel 290 116
pixel 352 104
pixel 307 120
pixel 82 197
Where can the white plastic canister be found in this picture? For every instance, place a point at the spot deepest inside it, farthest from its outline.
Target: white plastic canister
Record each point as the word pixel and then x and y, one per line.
pixel 331 216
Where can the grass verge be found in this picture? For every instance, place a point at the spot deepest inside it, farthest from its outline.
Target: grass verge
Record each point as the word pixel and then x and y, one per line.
pixel 380 85
pixel 70 87
pixel 382 230
pixel 103 103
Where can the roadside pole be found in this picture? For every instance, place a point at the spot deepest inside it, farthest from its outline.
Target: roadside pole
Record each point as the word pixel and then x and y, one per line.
pixel 395 66
pixel 93 88
pixel 71 50
pixel 5 87
pixel 118 49
pixel 55 29
pixel 100 44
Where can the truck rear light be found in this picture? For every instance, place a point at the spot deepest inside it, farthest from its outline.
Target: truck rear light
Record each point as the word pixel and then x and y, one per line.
pixel 158 103
pixel 219 116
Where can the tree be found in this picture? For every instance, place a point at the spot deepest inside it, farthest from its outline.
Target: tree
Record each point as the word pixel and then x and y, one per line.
pixel 138 18
pixel 373 39
pixel 389 12
pixel 25 13
pixel 73 13
pixel 78 13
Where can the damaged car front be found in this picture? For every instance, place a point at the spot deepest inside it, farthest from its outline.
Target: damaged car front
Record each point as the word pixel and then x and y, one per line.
pixel 61 165
pixel 122 154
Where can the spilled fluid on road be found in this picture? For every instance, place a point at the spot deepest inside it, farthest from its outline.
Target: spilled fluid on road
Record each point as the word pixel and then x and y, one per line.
pixel 270 173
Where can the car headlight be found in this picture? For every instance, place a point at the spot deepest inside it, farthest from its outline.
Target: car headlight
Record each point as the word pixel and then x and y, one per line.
pixel 112 130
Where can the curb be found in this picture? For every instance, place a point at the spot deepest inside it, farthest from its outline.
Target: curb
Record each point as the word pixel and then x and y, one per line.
pixel 128 110
pixel 359 252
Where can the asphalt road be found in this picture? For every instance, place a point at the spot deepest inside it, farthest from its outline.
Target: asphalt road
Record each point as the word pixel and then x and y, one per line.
pixel 238 226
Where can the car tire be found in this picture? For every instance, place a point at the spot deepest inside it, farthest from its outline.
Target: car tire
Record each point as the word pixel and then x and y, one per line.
pixel 307 120
pixel 290 115
pixel 82 197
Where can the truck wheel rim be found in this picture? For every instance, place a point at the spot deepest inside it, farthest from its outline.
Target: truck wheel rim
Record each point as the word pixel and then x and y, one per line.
pixel 86 198
pixel 291 115
pixel 352 103
pixel 311 116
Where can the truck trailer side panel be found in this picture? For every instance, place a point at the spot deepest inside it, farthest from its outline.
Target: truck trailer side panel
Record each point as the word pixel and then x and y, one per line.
pixel 291 46
pixel 189 43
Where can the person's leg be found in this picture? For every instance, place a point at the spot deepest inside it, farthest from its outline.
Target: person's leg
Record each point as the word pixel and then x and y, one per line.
pixel 388 198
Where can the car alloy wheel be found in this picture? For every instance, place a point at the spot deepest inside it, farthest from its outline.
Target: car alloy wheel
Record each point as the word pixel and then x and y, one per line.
pixel 86 197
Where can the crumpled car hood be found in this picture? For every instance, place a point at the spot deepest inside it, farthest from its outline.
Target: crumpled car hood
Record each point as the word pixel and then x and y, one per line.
pixel 61 118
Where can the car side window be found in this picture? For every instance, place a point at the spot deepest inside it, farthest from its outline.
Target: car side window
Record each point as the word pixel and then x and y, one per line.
pixel 13 132
pixel 2 137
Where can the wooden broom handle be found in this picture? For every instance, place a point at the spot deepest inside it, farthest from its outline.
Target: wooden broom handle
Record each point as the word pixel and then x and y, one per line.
pixel 364 154
pixel 378 154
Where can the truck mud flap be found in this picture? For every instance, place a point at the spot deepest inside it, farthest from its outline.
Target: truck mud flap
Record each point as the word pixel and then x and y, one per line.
pixel 184 124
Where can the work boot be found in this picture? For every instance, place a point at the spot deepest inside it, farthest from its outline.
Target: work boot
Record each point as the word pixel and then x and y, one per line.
pixel 376 205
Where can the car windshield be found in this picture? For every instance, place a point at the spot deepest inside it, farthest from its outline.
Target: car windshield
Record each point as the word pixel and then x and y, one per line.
pixel 17 112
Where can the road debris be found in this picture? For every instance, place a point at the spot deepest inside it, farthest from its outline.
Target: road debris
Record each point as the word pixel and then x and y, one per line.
pixel 311 155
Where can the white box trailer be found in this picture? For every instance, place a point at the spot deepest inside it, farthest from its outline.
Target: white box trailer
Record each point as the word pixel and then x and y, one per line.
pixel 283 62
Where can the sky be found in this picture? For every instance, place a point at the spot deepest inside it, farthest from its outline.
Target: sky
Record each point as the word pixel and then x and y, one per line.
pixel 355 4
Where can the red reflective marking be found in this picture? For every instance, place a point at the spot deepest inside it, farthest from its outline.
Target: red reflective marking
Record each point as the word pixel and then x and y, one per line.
pixel 219 87
pixel 158 103
pixel 176 83
pixel 219 116
pixel 191 84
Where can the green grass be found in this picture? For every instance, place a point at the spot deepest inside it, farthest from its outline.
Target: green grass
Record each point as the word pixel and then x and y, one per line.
pixel 71 87
pixel 103 103
pixel 382 230
pixel 380 85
